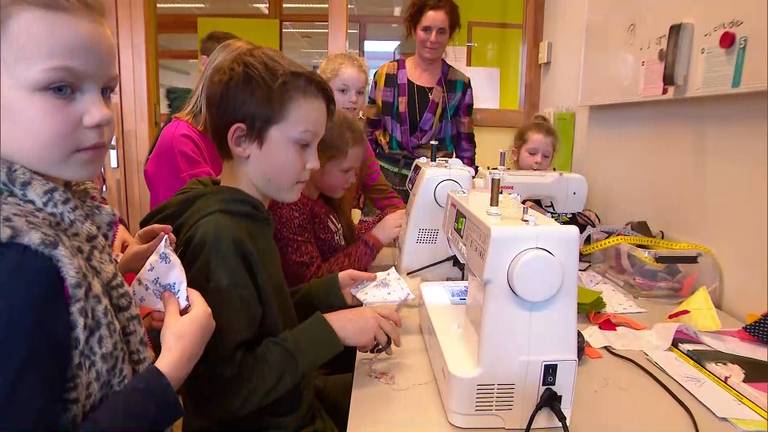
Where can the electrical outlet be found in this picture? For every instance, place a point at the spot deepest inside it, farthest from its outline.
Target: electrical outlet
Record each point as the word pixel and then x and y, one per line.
pixel 545 52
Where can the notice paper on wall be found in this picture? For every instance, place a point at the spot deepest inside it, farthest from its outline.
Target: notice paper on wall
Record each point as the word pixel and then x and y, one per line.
pixel 486 86
pixel 652 77
pixel 721 68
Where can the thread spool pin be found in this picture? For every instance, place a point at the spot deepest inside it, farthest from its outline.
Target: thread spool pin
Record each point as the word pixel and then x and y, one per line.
pixel 433 152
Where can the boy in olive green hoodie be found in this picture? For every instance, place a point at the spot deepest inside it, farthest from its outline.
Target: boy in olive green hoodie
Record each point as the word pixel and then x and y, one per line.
pixel 266 116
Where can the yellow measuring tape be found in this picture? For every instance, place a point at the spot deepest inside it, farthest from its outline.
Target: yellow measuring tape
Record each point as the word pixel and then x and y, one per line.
pixel 645 241
pixel 753 406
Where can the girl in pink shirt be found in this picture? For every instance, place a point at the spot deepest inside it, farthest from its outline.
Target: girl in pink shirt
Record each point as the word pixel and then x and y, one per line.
pixel 184 151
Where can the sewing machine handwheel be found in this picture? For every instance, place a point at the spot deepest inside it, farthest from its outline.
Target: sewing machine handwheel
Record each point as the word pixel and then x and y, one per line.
pixel 535 275
pixel 442 189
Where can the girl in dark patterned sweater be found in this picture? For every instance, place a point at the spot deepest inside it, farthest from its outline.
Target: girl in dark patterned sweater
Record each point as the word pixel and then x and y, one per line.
pixel 316 235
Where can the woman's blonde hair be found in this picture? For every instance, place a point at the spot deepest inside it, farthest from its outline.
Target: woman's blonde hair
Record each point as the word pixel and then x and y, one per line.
pixel 334 63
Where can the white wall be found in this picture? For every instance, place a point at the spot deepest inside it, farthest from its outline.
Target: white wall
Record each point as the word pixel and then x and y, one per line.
pixel 695 168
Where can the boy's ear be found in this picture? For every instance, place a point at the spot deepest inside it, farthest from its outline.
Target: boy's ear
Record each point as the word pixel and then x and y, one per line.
pixel 515 153
pixel 239 144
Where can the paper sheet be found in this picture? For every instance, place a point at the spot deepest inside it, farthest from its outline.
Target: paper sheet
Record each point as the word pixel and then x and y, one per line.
pixel 657 338
pixel 716 67
pixel 719 401
pixel 486 86
pixel 652 77
pixel 734 346
pixel 589 278
pixel 616 300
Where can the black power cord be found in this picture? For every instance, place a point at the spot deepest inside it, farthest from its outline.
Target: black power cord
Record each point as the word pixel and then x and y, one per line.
pixel 658 381
pixel 444 260
pixel 549 399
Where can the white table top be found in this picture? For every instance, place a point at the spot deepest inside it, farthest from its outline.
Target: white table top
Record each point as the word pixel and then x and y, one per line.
pixel 611 394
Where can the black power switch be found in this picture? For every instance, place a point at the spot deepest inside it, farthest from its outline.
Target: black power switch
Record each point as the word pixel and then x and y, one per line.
pixel 550 375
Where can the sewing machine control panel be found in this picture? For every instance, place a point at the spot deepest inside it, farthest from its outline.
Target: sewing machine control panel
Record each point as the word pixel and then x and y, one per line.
pixel 468 238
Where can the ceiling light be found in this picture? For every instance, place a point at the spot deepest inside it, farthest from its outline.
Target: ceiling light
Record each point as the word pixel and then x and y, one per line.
pixel 299 30
pixel 396 11
pixel 182 5
pixel 295 30
pixel 299 5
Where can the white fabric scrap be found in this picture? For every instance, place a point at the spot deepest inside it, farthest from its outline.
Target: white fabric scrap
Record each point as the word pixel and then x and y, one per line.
pixel 389 287
pixel 162 272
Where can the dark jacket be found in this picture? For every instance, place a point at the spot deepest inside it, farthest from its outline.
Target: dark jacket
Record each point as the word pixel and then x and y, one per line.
pixel 36 333
pixel 256 371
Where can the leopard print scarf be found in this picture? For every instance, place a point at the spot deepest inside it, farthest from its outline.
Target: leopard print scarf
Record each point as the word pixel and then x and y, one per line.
pixel 71 227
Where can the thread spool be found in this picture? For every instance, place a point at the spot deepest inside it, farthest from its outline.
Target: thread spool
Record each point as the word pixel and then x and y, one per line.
pixel 493 208
pixel 433 151
pixel 502 159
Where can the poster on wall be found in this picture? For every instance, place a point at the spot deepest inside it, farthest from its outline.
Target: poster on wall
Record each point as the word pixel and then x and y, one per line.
pixel 721 57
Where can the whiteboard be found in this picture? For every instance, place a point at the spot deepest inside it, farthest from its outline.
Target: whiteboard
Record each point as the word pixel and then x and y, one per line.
pixel 620 57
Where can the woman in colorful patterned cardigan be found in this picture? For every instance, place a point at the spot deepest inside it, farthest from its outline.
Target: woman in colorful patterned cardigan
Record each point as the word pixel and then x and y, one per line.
pixel 416 100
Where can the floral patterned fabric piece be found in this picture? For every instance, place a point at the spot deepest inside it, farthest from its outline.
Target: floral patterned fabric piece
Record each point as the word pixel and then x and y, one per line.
pixel 162 272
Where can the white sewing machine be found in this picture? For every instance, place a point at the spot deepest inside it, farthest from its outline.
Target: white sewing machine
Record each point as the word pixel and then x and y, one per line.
pixel 423 242
pixel 516 334
pixel 559 192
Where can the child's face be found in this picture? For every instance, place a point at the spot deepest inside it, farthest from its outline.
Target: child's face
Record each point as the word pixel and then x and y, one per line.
pixel 337 175
pixel 58 74
pixel 536 154
pixel 281 167
pixel 349 89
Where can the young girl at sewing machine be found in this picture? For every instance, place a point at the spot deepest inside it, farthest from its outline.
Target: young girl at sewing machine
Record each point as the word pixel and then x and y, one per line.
pixel 534 149
pixel 74 354
pixel 535 145
pixel 347 74
pixel 316 235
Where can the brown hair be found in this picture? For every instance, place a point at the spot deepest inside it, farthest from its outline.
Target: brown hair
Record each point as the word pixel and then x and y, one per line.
pixel 212 40
pixel 417 8
pixel 342 134
pixel 334 63
pixel 255 86
pixel 539 124
pixel 89 8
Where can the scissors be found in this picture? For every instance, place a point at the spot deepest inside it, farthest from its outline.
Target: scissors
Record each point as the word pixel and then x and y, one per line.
pixel 379 348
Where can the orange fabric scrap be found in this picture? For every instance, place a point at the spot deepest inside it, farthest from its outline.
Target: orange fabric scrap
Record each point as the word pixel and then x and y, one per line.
pixel 619 320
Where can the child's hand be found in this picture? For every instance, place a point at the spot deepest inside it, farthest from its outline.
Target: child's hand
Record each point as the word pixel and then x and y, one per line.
pixel 143 245
pixel 123 239
pixel 348 279
pixel 183 337
pixel 362 327
pixel 389 228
